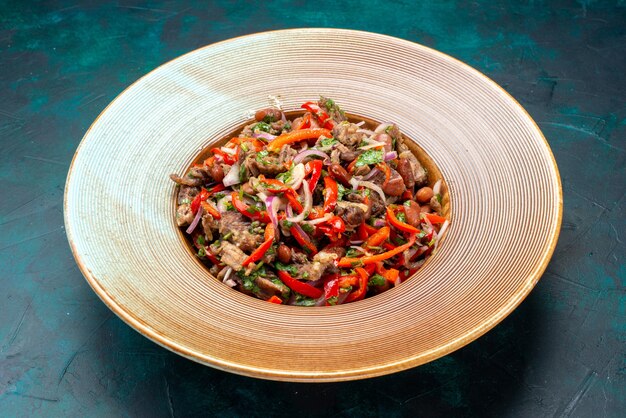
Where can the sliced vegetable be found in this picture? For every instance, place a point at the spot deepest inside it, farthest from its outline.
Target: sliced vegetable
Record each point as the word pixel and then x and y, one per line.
pixel 250 212
pixel 275 299
pixel 260 252
pixel 360 292
pixel 396 223
pixel 350 262
pixel 297 136
pixel 298 286
pixel 330 194
pixel 303 239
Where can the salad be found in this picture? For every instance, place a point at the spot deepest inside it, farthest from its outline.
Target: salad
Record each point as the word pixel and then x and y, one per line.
pixel 311 211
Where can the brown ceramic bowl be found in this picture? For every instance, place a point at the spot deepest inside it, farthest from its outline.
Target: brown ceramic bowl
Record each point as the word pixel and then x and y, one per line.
pixel 503 186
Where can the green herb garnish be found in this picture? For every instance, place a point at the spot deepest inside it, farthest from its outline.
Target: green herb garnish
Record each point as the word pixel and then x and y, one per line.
pixel 376 280
pixel 370 157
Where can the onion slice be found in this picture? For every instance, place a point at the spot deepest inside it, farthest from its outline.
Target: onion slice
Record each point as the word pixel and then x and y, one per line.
pixel 392 155
pixel 309 153
pixel 308 204
pixel 232 177
pixel 437 187
pixel 272 203
pixel 221 204
pixel 371 174
pixel 196 220
pixel 374 187
pixel 269 137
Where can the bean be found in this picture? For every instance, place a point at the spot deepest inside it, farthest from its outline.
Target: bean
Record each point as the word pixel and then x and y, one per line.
pixel 340 174
pixel 274 114
pixel 406 171
pixel 284 253
pixel 412 212
pixel 424 194
pixel 217 172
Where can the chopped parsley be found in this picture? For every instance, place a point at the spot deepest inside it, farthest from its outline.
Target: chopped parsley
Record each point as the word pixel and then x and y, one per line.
pixel 243 173
pixel 289 268
pixel 309 229
pixel 376 280
pixel 331 106
pixel 261 156
pixel 401 217
pixel 370 157
pixel 332 300
pixel 201 240
pixel 185 202
pixel 327 142
pixel 201 252
pixel 229 206
pixel 261 126
pixel 342 191
pixel 286 176
pixel 303 300
pixel 438 197
pixel 269 119
pixel 352 252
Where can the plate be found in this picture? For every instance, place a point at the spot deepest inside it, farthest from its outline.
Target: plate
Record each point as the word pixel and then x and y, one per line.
pixel 503 182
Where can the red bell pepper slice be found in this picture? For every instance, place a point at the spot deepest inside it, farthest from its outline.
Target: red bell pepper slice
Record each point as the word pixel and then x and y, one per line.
pixel 349 262
pixel 297 136
pixel 378 238
pixel 200 197
pixel 314 167
pixel 333 228
pixel 211 210
pixel 244 209
pixel 434 219
pixel 303 240
pixel 260 252
pixel 385 169
pixel 360 292
pixel 228 159
pixel 306 122
pixel 396 223
pixel 275 299
pixel 298 286
pixel 331 192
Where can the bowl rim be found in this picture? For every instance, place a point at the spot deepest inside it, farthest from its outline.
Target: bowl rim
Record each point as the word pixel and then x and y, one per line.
pixel 325 376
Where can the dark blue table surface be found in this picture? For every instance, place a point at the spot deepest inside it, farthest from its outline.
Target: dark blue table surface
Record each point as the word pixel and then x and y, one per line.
pixel 63 353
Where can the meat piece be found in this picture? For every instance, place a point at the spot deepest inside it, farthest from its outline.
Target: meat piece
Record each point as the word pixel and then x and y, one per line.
pixel 345 153
pixel 200 173
pixel 353 214
pixel 435 205
pixel 186 181
pixel 233 223
pixel 386 138
pixel 346 133
pixel 406 172
pixel 395 185
pixel 378 206
pixel 299 257
pixel 333 110
pixel 362 170
pixel 327 258
pixel 184 216
pixel 186 194
pixel 359 198
pixel 412 212
pixel 229 254
pixel 267 288
pixel 286 154
pixel 209 225
pixel 272 164
pixel 271 113
pixel 419 174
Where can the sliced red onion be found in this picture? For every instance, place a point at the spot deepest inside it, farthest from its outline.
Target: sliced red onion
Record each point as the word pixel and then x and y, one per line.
pixel 371 174
pixel 355 183
pixel 269 137
pixel 283 117
pixel 271 202
pixel 381 128
pixel 392 155
pixel 226 278
pixel 374 187
pixel 398 281
pixel 311 152
pixel 361 249
pixel 317 283
pixel 360 123
pixel 221 204
pixel 358 242
pixel 320 220
pixel 321 301
pixel 297 175
pixel 365 131
pixel 308 204
pixel 379 223
pixel 229 151
pixel 195 221
pixel 232 177
pixel 437 187
pixel 417 264
pixel 443 229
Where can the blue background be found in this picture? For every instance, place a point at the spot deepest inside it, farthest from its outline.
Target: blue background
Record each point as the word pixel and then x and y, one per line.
pixel 63 353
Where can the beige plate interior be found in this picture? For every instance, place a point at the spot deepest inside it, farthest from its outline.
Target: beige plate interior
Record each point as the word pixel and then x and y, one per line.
pixel 503 183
